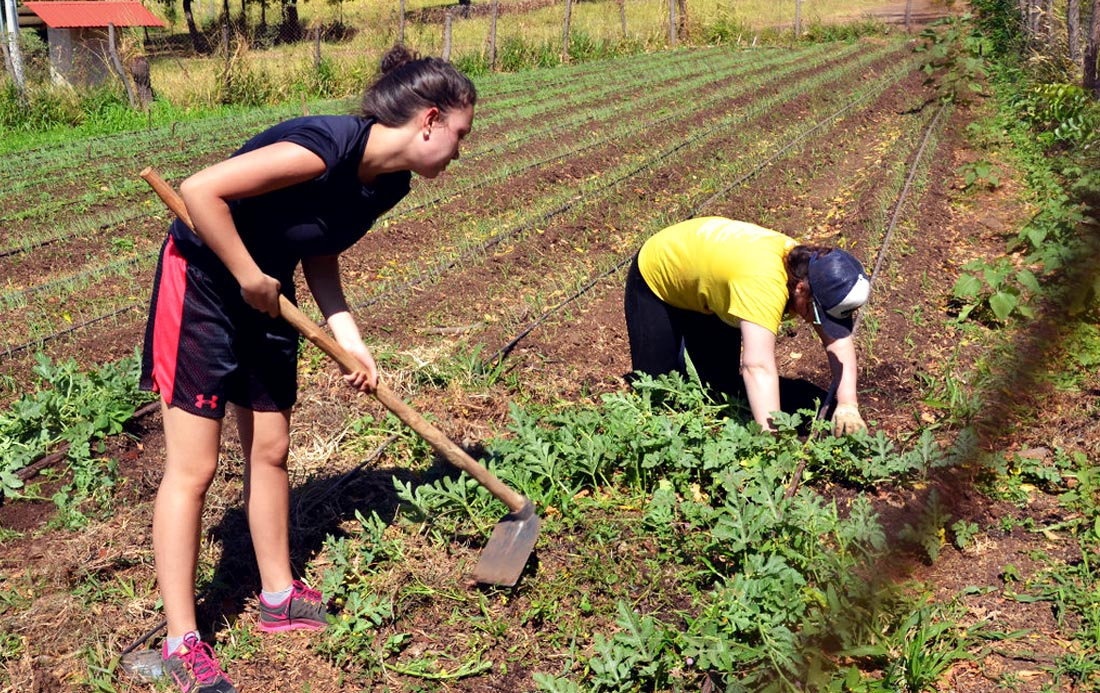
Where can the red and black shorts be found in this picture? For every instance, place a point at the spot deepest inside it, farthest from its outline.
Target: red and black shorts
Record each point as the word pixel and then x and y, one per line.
pixel 204 346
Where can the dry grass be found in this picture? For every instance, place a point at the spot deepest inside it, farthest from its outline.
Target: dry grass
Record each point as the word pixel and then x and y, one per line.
pixel 194 80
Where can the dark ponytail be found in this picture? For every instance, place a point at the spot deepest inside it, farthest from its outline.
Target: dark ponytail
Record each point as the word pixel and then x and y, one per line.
pixel 798 263
pixel 409 83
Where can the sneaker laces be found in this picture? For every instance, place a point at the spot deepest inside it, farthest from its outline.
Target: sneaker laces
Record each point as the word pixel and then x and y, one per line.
pixel 304 591
pixel 200 658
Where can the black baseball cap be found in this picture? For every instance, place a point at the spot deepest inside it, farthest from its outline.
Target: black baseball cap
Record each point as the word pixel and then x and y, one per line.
pixel 839 287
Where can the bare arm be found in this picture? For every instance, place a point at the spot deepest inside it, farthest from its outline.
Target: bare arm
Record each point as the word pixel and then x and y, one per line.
pixel 322 274
pixel 841 354
pixel 842 362
pixel 759 371
pixel 207 195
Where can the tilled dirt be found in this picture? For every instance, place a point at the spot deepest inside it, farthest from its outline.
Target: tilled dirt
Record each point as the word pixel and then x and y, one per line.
pixel 576 353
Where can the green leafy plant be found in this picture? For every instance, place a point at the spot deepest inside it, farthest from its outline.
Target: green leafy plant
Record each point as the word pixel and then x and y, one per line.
pixel 73 407
pixel 1062 114
pixel 994 291
pixel 980 173
pixel 955 63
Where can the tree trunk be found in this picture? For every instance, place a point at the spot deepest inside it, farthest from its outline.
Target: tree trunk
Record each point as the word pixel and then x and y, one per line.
pixel 291 30
pixel 622 15
pixel 908 16
pixel 198 41
pixel 1092 48
pixel 565 31
pixel 116 63
pixel 15 54
pixel 682 8
pixel 1073 30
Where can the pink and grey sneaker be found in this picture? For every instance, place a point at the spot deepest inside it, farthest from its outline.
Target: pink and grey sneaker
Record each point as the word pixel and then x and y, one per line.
pixel 303 609
pixel 194 669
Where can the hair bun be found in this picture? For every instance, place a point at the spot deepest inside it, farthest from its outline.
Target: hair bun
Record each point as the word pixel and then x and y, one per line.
pixel 396 57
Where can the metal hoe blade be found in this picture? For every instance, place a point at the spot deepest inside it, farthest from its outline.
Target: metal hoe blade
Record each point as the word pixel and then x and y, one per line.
pixel 510 545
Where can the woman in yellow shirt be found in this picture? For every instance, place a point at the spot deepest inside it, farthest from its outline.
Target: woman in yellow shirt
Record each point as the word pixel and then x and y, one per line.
pixel 719 288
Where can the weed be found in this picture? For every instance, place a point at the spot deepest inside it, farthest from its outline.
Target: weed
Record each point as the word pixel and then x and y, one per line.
pixel 994 291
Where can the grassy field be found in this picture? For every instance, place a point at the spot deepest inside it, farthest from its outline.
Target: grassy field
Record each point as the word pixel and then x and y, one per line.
pixel 195 80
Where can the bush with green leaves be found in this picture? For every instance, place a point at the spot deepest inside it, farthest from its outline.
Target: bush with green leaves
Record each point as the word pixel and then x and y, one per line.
pixel 994 291
pixel 1061 113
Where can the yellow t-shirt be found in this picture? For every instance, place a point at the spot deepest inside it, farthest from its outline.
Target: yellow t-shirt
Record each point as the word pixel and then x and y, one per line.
pixel 732 269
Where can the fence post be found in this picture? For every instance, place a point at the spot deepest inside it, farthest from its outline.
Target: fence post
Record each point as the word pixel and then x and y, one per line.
pixel 447 36
pixel 139 70
pixel 565 31
pixel 622 16
pixel 797 18
pixel 1073 30
pixel 493 36
pixel 317 48
pixel 401 24
pixel 672 23
pixel 228 81
pixel 116 63
pixel 908 16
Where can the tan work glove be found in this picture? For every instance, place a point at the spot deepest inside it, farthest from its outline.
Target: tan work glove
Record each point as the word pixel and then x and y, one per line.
pixel 846 420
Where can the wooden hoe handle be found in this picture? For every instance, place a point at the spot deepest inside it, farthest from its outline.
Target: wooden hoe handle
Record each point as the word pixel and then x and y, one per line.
pixel 441 443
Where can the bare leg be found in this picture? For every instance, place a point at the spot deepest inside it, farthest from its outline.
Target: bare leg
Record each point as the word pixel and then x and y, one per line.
pixel 191 443
pixel 265 438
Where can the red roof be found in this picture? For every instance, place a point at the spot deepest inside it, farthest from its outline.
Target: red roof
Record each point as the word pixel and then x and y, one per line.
pixel 68 15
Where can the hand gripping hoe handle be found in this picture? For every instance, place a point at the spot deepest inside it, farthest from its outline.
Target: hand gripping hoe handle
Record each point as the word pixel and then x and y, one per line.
pixel 513 538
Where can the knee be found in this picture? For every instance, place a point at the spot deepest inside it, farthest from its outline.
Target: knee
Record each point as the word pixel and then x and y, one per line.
pixel 270 451
pixel 191 477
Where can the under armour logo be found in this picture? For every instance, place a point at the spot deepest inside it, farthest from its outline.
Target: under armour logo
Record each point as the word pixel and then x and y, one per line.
pixel 201 401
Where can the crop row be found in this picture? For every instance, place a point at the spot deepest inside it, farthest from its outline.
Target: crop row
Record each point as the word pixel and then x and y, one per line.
pixel 131 287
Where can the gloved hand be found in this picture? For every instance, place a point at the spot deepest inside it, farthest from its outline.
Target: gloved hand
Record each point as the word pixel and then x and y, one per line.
pixel 846 420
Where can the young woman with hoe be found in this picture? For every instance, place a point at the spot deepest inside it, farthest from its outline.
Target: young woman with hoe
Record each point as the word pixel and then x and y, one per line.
pixel 300 192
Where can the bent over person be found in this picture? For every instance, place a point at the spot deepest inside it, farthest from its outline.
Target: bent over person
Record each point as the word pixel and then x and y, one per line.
pixel 300 192
pixel 719 288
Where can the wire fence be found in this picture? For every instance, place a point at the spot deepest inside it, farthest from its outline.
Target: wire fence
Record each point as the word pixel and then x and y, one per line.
pixel 259 51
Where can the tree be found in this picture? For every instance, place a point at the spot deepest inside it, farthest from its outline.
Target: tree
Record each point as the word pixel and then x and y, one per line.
pixel 1092 49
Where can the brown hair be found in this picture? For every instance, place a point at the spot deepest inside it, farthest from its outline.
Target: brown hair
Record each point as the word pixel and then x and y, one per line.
pixel 797 263
pixel 409 83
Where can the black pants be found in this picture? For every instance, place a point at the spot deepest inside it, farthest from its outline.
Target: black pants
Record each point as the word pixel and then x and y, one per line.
pixel 660 333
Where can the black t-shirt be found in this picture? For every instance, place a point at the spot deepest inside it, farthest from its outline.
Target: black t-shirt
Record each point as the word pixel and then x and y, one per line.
pixel 322 216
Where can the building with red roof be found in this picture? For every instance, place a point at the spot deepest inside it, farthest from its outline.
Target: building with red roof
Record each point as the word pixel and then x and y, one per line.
pixel 78 35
